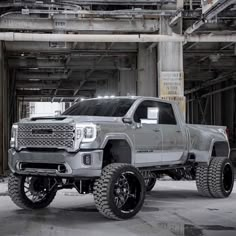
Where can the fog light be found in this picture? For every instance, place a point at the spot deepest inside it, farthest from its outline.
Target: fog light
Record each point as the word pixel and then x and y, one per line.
pixel 61 169
pixel 87 159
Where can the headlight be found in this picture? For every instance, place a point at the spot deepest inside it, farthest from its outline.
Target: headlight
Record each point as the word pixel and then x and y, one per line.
pixel 13 140
pixel 90 133
pixel 85 133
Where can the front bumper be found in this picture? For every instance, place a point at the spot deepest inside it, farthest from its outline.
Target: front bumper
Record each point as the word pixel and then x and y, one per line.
pixel 59 163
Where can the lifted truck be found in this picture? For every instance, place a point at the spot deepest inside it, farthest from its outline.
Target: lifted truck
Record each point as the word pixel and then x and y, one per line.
pixel 115 148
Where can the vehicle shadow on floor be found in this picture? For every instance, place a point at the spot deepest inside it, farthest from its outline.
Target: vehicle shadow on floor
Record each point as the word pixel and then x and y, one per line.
pixel 76 216
pixel 75 213
pixel 175 194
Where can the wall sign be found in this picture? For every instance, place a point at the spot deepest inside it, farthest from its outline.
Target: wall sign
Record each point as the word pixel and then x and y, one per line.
pixel 171 83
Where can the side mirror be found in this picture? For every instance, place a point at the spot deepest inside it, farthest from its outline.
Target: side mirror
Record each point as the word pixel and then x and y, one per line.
pixel 127 121
pixel 57 113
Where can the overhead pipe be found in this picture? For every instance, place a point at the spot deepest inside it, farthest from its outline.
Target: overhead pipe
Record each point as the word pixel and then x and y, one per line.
pixel 211 38
pixel 116 38
pixel 123 38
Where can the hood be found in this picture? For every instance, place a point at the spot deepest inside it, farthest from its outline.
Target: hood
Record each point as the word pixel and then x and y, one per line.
pixel 72 119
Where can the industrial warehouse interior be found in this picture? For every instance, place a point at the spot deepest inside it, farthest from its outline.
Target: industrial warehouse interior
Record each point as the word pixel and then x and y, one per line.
pixel 83 69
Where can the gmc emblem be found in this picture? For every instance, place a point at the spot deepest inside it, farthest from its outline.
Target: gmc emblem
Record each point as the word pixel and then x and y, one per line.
pixel 42 131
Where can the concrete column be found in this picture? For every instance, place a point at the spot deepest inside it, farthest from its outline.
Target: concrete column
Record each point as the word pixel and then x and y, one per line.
pixel 147 71
pixel 112 85
pixel 4 124
pixel 1 108
pixel 170 68
pixel 127 82
pixel 101 88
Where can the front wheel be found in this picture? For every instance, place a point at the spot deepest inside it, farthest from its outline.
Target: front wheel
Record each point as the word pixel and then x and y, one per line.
pixel 31 192
pixel 120 191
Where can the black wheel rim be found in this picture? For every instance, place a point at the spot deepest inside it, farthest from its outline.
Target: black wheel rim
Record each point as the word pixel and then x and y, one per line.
pixel 227 177
pixel 36 189
pixel 127 192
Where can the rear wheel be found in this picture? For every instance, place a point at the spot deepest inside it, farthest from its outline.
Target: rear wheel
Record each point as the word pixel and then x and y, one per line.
pixel 221 177
pixel 202 181
pixel 217 179
pixel 120 191
pixel 31 192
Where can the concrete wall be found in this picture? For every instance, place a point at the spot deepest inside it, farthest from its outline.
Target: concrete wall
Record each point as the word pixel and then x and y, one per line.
pixel 127 83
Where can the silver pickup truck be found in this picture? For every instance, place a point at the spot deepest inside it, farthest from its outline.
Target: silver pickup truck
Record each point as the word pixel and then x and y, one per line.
pixel 115 148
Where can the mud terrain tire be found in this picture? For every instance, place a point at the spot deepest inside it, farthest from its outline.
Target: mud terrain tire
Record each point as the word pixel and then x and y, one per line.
pixel 120 191
pixel 18 195
pixel 202 181
pixel 221 177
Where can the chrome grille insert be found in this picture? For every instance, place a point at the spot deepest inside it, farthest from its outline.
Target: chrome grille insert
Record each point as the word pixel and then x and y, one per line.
pixel 59 135
pixel 46 136
pixel 54 127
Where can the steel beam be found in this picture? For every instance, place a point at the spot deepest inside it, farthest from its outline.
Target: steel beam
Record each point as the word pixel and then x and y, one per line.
pixel 50 93
pixel 78 24
pixel 79 75
pixel 217 80
pixel 116 38
pixel 82 49
pixel 75 65
pixel 222 5
pixel 219 91
pixel 41 76
pixel 65 86
pixel 67 3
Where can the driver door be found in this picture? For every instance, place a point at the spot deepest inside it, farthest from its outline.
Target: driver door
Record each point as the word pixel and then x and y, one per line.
pixel 147 135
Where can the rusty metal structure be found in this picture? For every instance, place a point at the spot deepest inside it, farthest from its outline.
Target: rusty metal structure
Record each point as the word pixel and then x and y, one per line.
pixel 64 50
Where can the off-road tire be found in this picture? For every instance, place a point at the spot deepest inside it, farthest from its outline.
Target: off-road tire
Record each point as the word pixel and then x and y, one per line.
pixel 221 177
pixel 202 181
pixel 103 191
pixel 17 194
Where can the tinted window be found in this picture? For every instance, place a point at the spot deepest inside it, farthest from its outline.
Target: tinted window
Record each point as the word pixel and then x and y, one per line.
pixel 166 114
pixel 141 111
pixel 115 107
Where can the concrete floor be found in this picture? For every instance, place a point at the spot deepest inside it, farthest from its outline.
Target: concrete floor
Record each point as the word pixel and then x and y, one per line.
pixel 172 208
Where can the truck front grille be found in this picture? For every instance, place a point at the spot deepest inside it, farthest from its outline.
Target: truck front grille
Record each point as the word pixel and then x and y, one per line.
pixel 45 136
pixel 54 127
pixel 55 135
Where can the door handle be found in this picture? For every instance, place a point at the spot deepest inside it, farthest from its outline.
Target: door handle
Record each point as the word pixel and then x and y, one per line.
pixel 178 131
pixel 156 130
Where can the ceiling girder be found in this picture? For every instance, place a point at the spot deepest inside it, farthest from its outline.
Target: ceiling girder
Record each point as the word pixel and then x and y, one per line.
pixel 22 23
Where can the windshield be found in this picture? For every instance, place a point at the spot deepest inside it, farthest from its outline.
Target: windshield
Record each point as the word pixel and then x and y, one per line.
pixel 115 107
